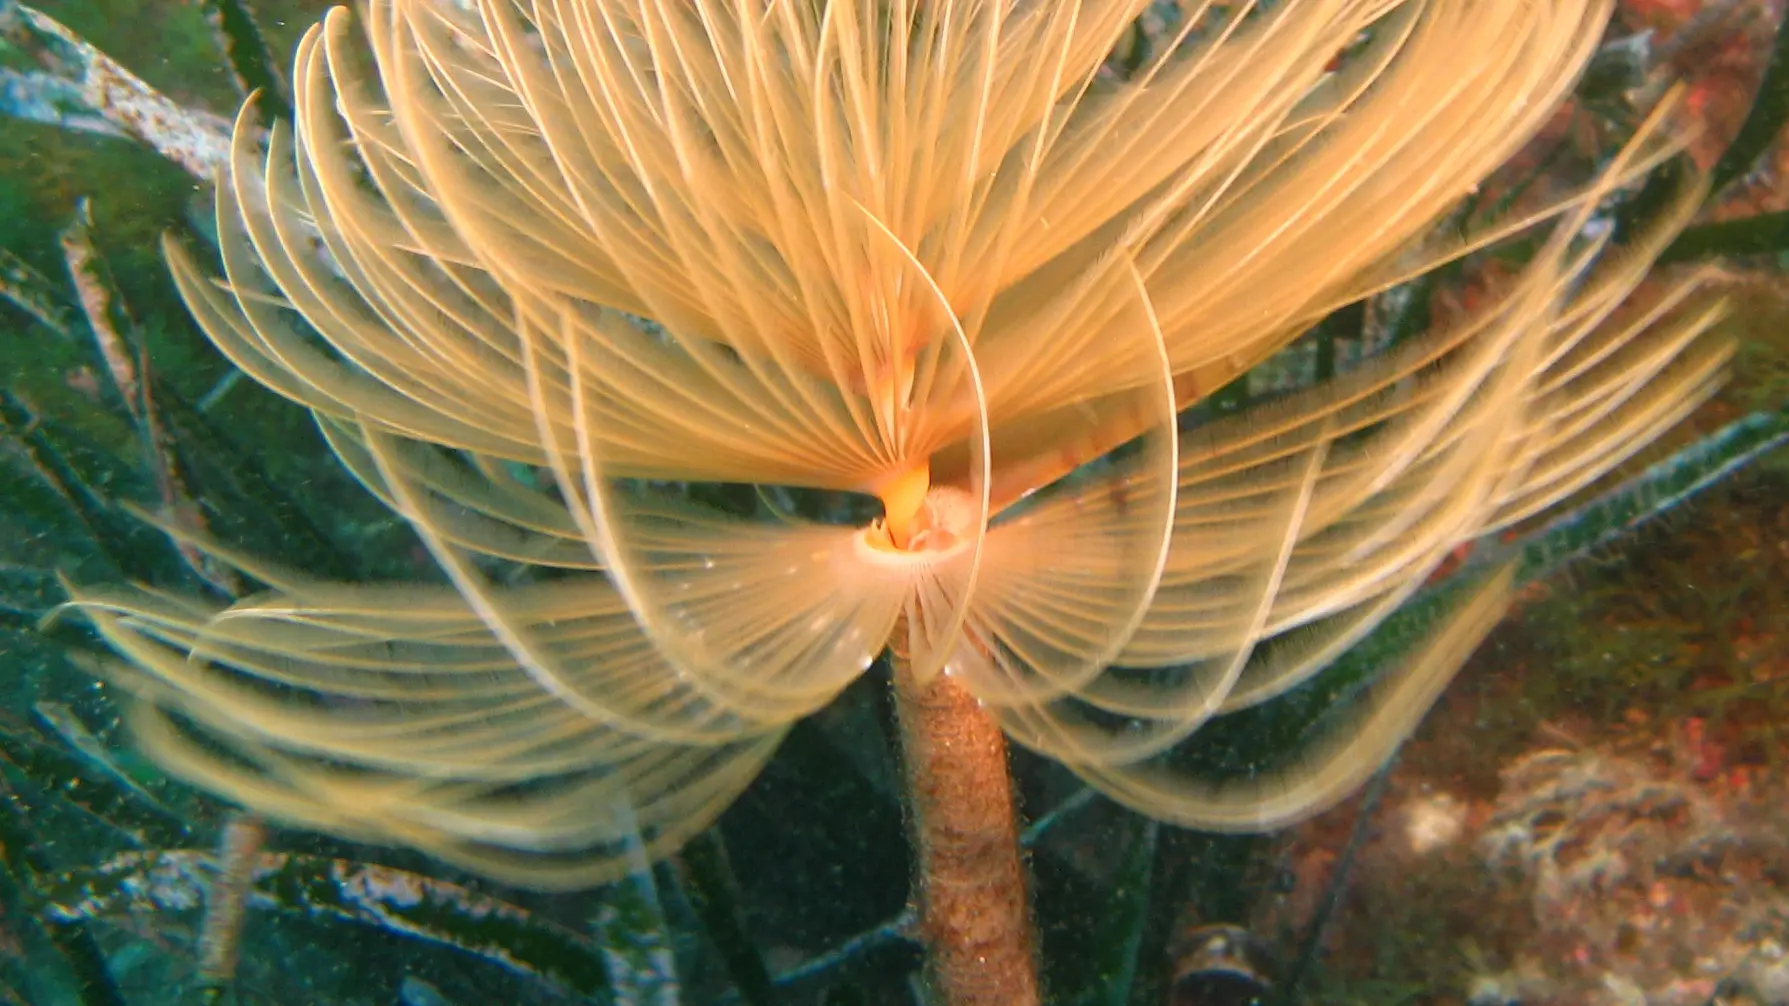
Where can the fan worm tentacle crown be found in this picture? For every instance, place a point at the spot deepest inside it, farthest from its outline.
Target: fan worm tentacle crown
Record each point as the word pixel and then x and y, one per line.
pixel 922 250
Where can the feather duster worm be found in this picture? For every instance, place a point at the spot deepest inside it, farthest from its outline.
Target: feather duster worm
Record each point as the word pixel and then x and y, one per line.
pixel 914 249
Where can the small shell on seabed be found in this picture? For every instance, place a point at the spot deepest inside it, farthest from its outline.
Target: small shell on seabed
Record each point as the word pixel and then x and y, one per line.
pixel 1220 965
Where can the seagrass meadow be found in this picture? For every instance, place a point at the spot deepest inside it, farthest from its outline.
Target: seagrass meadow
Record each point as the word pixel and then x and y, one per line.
pixel 886 501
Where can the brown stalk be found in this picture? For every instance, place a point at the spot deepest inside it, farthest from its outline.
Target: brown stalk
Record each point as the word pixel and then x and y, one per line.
pixel 226 901
pixel 975 915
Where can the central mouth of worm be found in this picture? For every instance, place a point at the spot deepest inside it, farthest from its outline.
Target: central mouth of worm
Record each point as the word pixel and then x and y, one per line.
pixel 944 526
